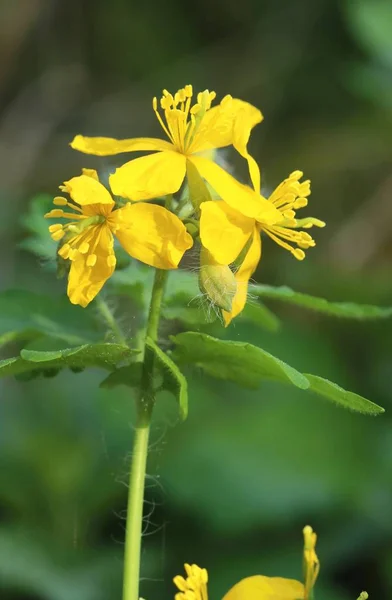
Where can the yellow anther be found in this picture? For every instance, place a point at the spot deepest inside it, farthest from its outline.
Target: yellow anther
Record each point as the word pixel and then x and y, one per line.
pixel 295 175
pixel 111 260
pixel 84 248
pixel 195 109
pixel 55 213
pixel 73 253
pixel 188 89
pixel 57 235
pixel 91 260
pixel 65 250
pixel 155 103
pixel 56 227
pixel 60 201
pixel 299 254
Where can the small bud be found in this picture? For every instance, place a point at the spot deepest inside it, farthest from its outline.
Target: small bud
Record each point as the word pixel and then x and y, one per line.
pixel 216 281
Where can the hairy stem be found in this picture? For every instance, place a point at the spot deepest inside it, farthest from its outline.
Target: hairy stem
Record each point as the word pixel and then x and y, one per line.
pixel 145 404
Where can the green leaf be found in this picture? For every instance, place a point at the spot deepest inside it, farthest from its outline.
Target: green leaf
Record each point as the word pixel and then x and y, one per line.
pixel 239 362
pixel 347 310
pixel 173 380
pixel 129 376
pixel 331 391
pixel 25 315
pixel 248 365
pixel 106 356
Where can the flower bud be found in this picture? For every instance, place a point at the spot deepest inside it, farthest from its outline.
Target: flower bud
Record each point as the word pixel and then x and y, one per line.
pixel 216 281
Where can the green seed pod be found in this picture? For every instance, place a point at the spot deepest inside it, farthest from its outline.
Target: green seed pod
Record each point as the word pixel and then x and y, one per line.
pixel 216 281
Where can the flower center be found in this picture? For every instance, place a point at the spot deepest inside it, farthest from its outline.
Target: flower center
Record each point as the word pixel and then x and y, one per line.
pixel 182 118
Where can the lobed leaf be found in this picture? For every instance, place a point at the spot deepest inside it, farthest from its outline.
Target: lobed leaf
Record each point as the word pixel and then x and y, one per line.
pixel 248 366
pixel 106 356
pixel 348 310
pixel 239 362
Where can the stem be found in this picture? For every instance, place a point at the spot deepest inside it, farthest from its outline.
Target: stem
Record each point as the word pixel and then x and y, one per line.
pixel 110 320
pixel 145 404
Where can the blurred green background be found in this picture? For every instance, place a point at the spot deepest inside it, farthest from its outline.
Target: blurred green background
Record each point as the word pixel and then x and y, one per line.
pixel 231 488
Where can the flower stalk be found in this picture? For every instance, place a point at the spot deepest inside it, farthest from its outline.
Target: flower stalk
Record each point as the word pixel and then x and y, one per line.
pixel 144 407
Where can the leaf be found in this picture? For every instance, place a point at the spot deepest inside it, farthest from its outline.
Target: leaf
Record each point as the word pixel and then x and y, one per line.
pixel 173 380
pixel 129 376
pixel 347 310
pixel 331 391
pixel 239 362
pixel 106 356
pixel 25 315
pixel 248 365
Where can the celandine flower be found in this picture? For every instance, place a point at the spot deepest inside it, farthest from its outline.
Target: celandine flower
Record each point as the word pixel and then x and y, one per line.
pixel 227 232
pixel 148 232
pixel 258 587
pixel 191 129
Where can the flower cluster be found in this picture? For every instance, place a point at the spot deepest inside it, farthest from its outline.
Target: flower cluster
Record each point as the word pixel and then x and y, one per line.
pixel 224 216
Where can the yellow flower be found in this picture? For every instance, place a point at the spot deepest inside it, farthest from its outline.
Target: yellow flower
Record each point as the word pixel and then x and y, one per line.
pixel 258 587
pixel 311 561
pixel 194 587
pixel 226 232
pixel 148 232
pixel 191 129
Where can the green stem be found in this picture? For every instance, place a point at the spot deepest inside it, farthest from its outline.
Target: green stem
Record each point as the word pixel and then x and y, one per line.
pixel 145 404
pixel 108 316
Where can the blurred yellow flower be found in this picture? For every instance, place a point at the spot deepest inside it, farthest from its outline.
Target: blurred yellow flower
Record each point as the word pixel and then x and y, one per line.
pixel 148 232
pixel 226 232
pixel 191 129
pixel 258 587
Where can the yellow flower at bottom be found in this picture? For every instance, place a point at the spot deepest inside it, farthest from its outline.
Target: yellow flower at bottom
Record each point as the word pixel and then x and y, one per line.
pixel 226 231
pixel 148 232
pixel 257 587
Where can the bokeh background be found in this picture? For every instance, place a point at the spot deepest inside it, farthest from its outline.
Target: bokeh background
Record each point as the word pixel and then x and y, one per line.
pixel 231 488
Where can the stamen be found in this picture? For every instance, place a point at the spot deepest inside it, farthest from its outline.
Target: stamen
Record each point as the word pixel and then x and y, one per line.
pixel 160 120
pixel 57 235
pixel 84 248
pixel 111 260
pixel 91 260
pixel 60 201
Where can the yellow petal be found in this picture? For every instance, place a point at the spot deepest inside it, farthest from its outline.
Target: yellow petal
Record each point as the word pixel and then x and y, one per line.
pixel 151 234
pixel 241 133
pixel 89 271
pixel 86 190
pixel 103 146
pixel 149 176
pixel 91 173
pixel 238 196
pixel 260 587
pixel 242 276
pixel 216 129
pixel 224 231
